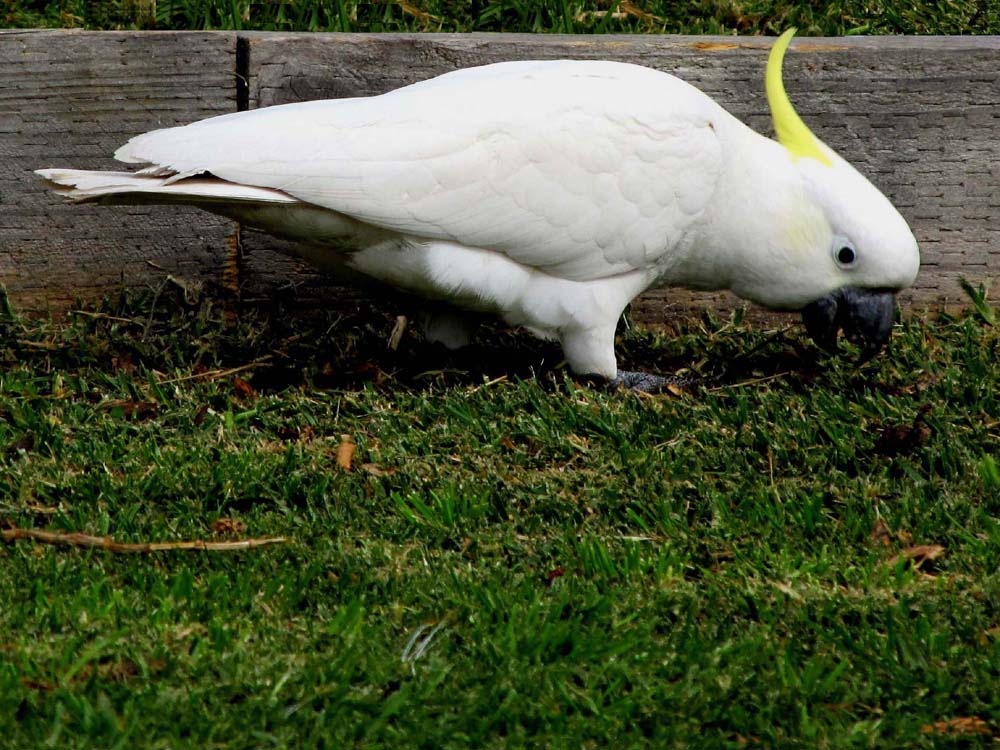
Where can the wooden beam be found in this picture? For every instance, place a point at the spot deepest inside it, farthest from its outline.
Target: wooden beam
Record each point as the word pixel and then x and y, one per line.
pixel 69 99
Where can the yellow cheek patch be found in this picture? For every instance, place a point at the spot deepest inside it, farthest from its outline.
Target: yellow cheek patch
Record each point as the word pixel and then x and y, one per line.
pixel 788 126
pixel 805 230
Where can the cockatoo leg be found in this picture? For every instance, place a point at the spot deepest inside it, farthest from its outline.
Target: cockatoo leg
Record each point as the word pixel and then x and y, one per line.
pixel 591 351
pixel 450 329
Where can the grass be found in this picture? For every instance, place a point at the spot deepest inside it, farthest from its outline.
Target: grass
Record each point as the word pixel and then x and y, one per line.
pixel 817 17
pixel 804 556
pixel 515 559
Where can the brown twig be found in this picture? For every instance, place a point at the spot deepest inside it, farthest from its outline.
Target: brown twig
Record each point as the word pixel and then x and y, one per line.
pixel 216 374
pixel 752 381
pixel 76 539
pixel 103 316
pixel 49 346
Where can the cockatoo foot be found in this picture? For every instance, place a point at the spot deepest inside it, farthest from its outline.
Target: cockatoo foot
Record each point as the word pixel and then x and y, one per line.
pixel 646 382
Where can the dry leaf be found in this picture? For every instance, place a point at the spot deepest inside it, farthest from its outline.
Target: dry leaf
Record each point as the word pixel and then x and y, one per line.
pixel 118 670
pixel 880 533
pixel 156 665
pixel 124 363
pixel 243 388
pixel 626 7
pixel 228 526
pixel 919 554
pixel 137 409
pixel 960 725
pixel 345 452
pixel 412 10
pixel 787 590
pixel 30 683
pixel 369 371
pixel 186 631
pixel 377 471
pixel 397 332
pixel 24 443
pixel 555 573
pixel 301 434
pixel 897 440
pixel 901 439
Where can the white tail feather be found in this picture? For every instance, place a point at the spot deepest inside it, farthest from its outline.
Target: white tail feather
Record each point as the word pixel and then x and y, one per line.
pixel 82 186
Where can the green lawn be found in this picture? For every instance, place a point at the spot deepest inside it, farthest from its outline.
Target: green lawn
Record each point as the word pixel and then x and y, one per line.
pixel 515 559
pixel 796 555
pixel 816 17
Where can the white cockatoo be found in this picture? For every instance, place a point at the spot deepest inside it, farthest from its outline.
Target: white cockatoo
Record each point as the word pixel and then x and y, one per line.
pixel 548 193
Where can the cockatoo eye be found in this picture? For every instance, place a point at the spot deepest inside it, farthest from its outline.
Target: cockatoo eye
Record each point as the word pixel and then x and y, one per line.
pixel 845 255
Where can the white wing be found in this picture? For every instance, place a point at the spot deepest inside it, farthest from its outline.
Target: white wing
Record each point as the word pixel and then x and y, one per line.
pixel 581 169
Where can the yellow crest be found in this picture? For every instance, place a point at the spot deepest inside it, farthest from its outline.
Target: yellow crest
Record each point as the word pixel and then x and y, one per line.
pixel 788 126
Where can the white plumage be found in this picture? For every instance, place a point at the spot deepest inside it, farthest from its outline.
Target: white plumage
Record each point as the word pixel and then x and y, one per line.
pixel 549 193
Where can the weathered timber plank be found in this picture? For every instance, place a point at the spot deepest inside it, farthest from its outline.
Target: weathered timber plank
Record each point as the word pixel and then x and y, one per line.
pixel 69 99
pixel 918 115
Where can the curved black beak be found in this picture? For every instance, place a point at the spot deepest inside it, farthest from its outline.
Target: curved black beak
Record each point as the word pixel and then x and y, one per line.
pixel 864 315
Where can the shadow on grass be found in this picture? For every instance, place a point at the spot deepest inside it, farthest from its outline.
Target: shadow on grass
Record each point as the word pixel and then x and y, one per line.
pixel 286 346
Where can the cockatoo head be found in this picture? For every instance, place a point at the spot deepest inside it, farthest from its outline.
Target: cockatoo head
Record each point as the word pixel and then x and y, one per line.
pixel 849 245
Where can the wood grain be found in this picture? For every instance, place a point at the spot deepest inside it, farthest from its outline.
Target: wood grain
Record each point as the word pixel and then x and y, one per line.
pixel 69 99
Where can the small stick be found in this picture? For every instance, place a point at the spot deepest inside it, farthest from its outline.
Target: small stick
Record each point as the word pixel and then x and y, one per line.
pixel 76 539
pixel 754 381
pixel 40 509
pixel 49 346
pixel 216 374
pixel 488 383
pixel 103 316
